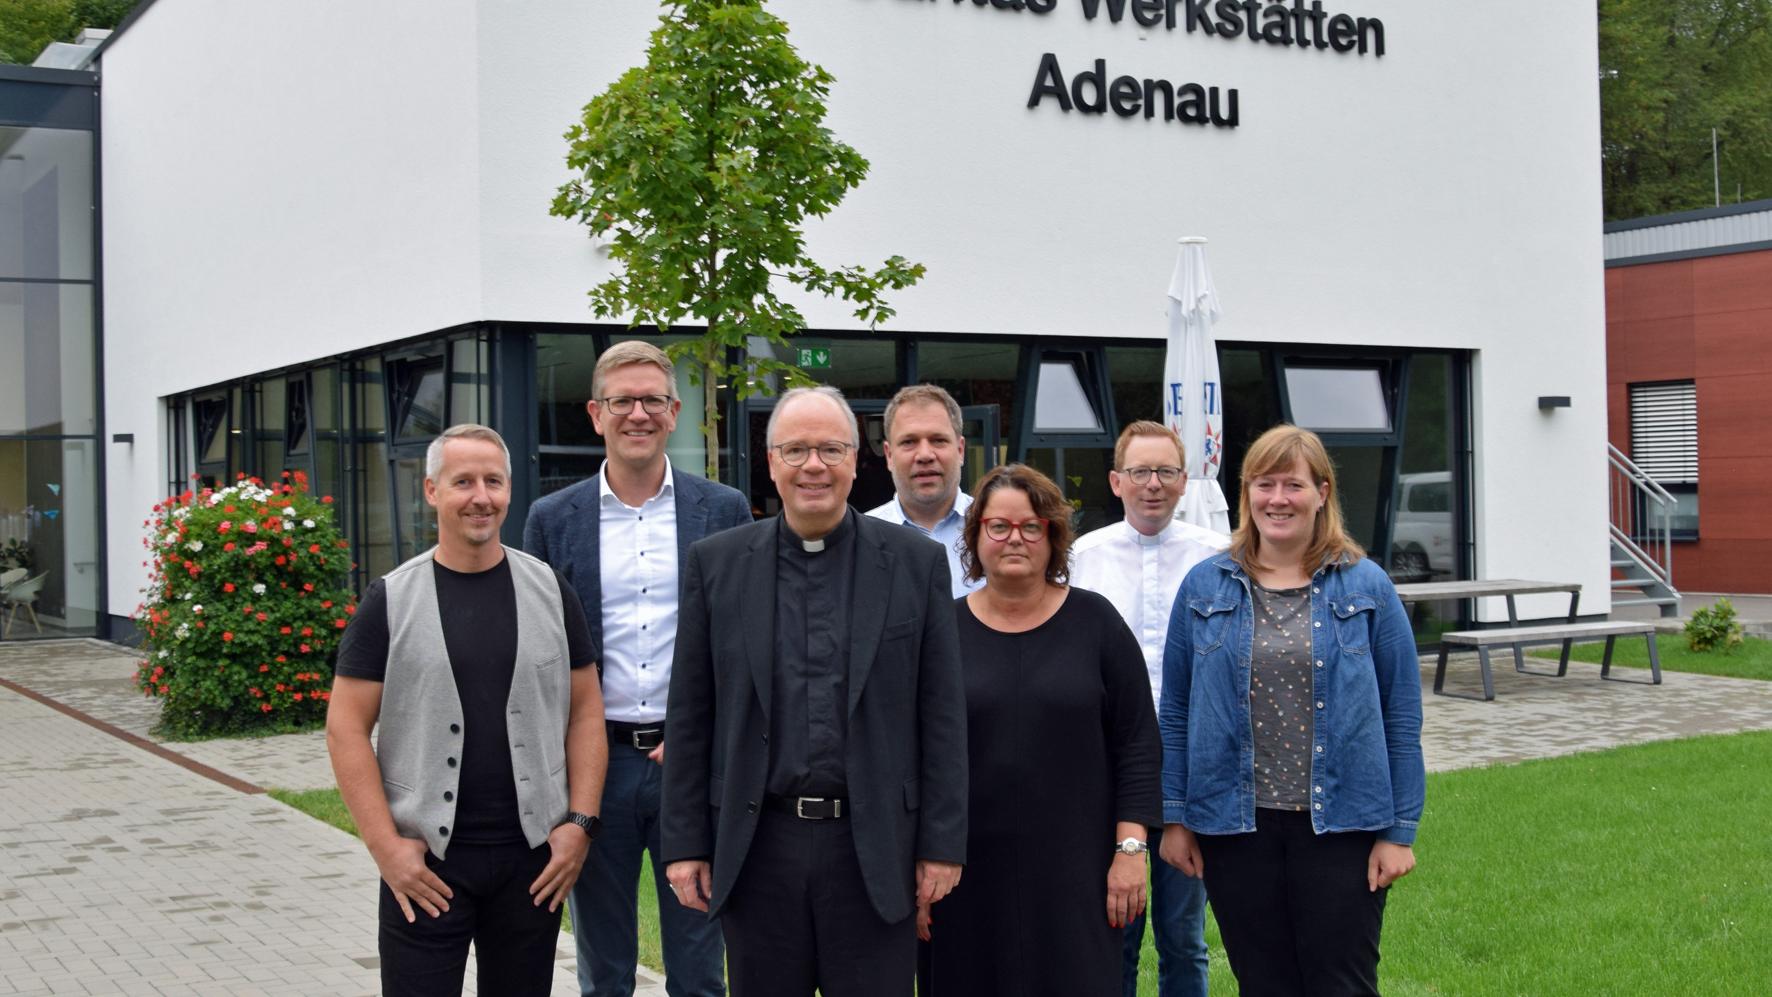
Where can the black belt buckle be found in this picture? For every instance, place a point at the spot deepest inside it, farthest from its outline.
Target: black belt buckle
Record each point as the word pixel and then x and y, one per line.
pixel 647 739
pixel 831 810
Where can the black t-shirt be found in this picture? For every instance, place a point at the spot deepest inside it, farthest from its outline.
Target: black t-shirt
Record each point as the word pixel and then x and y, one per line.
pixel 479 612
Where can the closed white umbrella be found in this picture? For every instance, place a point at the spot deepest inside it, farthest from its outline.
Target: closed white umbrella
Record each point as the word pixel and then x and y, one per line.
pixel 1193 400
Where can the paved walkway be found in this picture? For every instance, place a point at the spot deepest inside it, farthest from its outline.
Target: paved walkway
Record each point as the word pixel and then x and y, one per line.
pixel 122 871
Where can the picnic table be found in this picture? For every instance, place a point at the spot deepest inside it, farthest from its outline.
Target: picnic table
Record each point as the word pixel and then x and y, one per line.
pixel 1518 637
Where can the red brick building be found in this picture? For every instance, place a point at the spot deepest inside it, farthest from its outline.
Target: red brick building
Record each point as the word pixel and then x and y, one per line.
pixel 1689 382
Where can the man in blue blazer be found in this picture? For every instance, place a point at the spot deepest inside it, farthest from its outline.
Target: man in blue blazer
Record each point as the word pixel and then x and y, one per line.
pixel 621 539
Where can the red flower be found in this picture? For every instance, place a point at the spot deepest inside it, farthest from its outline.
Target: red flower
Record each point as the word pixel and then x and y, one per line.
pixel 326 605
pixel 228 546
pixel 326 500
pixel 227 586
pixel 307 631
pixel 227 635
pixel 281 660
pixel 281 688
pixel 264 668
pixel 255 692
pixel 305 649
pixel 340 623
pixel 262 617
pixel 296 697
pixel 286 630
pixel 265 707
pixel 281 559
pixel 307 587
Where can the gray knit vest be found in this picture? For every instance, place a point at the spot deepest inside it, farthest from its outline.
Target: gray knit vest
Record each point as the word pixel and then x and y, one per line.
pixel 419 746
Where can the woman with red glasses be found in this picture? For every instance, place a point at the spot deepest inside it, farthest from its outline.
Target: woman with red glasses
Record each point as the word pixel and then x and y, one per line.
pixel 1065 761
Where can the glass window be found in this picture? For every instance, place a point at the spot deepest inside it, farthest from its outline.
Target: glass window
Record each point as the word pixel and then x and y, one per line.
pixel 1135 373
pixel 46 334
pixel 470 381
pixel 268 429
pixel 976 374
pixel 1338 399
pixel 418 522
pixel 861 368
pixel 416 393
pixel 1061 405
pixel 1081 473
pixel 46 203
pixel 323 415
pixel 1424 538
pixel 1251 407
pixel 49 527
pixel 563 369
pixel 297 437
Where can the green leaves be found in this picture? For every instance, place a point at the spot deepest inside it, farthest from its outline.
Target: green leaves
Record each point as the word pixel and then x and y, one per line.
pixel 699 168
pixel 1670 71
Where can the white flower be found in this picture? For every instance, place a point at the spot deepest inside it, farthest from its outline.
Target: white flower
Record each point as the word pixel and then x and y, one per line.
pixel 187 596
pixel 195 546
pixel 308 523
pixel 182 632
pixel 172 538
pixel 289 510
pixel 197 608
pixel 259 589
pixel 164 652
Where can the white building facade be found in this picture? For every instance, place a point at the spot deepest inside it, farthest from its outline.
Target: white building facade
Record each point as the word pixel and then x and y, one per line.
pixel 326 235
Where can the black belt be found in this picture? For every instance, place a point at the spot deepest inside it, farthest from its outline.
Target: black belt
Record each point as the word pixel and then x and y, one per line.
pixel 642 737
pixel 809 807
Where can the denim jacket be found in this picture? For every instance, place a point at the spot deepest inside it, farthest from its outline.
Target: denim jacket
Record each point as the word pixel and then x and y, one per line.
pixel 1366 766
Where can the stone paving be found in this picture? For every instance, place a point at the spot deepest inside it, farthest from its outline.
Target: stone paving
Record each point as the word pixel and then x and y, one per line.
pixel 122 872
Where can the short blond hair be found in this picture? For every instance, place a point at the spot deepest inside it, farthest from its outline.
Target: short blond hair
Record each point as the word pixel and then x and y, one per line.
pixel 627 353
pixel 1145 427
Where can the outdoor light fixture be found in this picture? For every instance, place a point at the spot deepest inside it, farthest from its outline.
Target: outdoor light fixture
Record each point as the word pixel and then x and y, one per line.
pixel 1548 402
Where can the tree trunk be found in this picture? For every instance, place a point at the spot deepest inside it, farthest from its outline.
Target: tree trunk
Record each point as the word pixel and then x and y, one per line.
pixel 710 406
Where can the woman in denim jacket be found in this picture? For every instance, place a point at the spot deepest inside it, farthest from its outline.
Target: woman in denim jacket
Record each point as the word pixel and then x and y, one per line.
pixel 1291 723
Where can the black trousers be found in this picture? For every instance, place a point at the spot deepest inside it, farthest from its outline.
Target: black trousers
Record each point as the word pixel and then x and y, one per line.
pixel 513 939
pixel 799 918
pixel 1293 908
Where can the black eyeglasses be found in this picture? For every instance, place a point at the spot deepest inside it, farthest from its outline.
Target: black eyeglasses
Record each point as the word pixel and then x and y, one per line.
pixel 1168 475
pixel 829 454
pixel 1032 530
pixel 623 404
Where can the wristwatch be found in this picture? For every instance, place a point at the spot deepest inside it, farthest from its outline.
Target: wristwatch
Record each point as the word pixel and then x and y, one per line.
pixel 591 825
pixel 1132 846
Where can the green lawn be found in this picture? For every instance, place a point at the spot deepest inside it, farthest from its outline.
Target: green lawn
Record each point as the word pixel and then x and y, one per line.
pixel 1641 870
pixel 1752 660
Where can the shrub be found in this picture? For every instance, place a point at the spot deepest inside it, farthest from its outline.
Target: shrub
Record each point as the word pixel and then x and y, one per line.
pixel 1714 628
pixel 244 608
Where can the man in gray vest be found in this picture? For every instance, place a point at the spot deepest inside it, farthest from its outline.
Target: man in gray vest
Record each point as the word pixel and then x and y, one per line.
pixel 620 538
pixel 478 800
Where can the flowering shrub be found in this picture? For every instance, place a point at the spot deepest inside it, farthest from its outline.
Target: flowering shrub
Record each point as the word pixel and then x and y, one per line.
pixel 244 609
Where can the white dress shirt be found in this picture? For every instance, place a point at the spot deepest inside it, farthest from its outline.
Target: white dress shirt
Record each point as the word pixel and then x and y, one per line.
pixel 947 533
pixel 637 549
pixel 1140 575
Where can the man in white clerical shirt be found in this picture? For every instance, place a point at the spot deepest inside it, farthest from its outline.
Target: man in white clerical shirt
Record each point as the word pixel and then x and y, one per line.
pixel 924 449
pixel 1138 564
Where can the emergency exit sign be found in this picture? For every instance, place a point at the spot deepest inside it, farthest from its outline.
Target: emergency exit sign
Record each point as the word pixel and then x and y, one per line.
pixel 815 358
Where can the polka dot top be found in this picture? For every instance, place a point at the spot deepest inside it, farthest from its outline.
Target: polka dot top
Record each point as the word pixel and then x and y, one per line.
pixel 1280 697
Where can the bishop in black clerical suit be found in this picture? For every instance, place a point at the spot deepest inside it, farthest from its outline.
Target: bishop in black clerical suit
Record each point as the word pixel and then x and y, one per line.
pixel 817 764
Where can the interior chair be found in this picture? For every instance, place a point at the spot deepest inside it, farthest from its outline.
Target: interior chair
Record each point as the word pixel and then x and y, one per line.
pixel 22 595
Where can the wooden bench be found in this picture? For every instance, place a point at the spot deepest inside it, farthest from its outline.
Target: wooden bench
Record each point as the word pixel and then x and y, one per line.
pixel 1565 634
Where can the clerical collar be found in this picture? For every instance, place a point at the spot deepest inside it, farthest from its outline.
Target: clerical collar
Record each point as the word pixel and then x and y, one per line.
pixel 822 544
pixel 1144 541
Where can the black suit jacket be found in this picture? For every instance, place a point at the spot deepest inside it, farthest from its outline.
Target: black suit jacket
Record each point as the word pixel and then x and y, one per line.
pixel 906 748
pixel 563 529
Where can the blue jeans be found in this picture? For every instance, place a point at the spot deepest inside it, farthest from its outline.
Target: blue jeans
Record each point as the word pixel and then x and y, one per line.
pixel 1178 913
pixel 605 919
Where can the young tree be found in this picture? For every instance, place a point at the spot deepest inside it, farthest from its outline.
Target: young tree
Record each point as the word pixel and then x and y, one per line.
pixel 699 168
pixel 1670 71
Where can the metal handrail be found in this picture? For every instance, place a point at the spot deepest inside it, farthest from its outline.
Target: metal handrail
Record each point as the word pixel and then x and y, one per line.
pixel 1633 496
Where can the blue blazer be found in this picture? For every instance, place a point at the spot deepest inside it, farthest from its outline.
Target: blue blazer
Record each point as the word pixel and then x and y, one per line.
pixel 562 529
